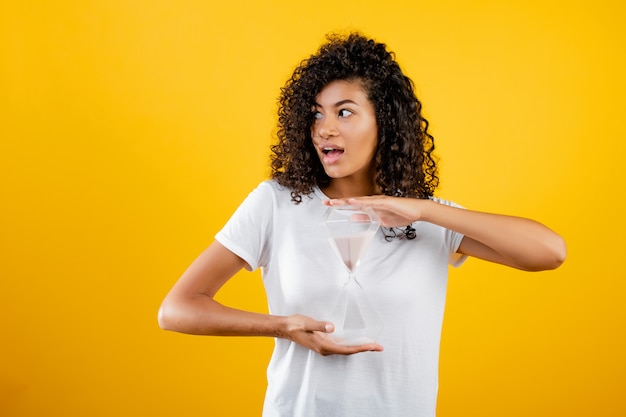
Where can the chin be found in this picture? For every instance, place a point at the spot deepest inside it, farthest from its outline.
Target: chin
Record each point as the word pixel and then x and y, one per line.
pixel 333 174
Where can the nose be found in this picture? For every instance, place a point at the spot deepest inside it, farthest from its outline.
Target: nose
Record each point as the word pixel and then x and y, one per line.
pixel 325 127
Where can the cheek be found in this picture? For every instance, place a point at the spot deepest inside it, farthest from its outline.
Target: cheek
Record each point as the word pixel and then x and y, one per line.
pixel 313 132
pixel 370 137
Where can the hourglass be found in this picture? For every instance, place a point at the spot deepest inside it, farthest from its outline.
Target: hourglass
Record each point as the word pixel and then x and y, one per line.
pixel 350 231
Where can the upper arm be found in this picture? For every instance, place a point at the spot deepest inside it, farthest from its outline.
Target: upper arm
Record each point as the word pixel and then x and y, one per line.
pixel 474 248
pixel 208 272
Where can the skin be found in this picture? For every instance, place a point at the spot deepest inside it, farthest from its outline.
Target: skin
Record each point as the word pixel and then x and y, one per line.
pixel 345 121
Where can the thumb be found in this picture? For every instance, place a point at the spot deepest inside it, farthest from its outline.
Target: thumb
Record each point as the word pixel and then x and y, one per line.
pixel 311 325
pixel 327 327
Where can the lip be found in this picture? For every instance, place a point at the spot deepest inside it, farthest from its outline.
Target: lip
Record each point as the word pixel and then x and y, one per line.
pixel 330 153
pixel 328 145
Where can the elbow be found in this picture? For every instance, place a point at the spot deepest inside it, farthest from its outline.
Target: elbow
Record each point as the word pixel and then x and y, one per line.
pixel 552 255
pixel 561 253
pixel 165 318
pixel 558 251
pixel 181 317
pixel 162 318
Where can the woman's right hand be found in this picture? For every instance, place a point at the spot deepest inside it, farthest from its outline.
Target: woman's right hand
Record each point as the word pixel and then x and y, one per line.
pixel 190 308
pixel 315 335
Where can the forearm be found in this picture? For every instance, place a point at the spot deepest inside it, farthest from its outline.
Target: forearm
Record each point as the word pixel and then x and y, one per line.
pixel 519 242
pixel 202 315
pixel 206 316
pixel 190 307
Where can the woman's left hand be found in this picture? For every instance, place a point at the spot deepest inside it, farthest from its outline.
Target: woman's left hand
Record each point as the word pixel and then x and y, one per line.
pixel 508 240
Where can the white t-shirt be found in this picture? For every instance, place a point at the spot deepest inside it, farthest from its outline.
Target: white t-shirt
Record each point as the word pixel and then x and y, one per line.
pixel 405 281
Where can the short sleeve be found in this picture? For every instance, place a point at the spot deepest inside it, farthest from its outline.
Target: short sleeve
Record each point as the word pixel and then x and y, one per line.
pixel 248 232
pixel 453 239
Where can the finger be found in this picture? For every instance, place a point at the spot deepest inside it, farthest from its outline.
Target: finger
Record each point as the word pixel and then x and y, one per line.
pixel 370 347
pixel 369 201
pixel 320 326
pixel 365 199
pixel 351 350
pixel 336 202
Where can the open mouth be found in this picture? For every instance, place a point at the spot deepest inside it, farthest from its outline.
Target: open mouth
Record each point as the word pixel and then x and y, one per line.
pixel 332 151
pixel 332 155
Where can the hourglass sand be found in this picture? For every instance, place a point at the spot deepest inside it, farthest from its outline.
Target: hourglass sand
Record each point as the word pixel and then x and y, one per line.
pixel 350 230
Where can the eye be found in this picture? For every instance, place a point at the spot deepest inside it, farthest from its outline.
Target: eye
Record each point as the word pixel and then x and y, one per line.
pixel 317 115
pixel 344 113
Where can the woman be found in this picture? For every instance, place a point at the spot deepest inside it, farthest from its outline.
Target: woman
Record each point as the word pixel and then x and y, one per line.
pixel 350 132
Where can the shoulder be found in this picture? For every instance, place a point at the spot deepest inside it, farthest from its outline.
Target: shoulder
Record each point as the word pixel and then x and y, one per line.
pixel 272 189
pixel 268 194
pixel 281 194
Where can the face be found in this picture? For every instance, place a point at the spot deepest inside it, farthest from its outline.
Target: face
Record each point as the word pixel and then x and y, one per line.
pixel 345 133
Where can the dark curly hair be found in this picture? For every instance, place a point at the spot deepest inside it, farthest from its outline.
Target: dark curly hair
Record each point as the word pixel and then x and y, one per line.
pixel 404 161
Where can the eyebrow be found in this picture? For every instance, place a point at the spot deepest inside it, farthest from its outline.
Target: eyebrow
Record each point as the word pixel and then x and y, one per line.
pixel 339 103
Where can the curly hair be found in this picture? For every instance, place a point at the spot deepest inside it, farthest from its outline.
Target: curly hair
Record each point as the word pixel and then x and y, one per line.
pixel 404 161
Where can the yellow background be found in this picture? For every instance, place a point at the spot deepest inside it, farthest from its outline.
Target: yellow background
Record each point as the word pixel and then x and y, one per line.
pixel 130 131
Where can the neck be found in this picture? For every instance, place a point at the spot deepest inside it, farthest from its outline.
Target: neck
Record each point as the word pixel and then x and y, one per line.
pixel 345 188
